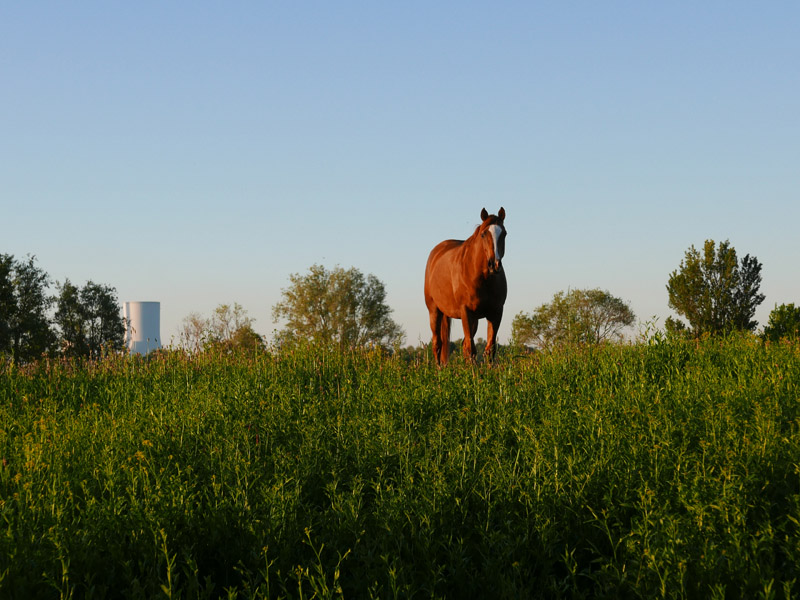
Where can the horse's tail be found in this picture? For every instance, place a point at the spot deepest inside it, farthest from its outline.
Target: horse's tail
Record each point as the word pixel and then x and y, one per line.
pixel 444 336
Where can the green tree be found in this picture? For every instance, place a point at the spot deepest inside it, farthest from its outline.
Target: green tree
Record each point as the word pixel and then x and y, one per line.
pixel 25 330
pixel 247 340
pixel 69 320
pixel 194 332
pixel 105 326
pixel 227 320
pixel 7 301
pixel 340 306
pixel 714 291
pixel 577 317
pixel 89 319
pixel 784 322
pixel 229 328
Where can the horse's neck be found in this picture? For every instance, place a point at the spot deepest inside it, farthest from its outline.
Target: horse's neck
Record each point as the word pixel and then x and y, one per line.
pixel 474 261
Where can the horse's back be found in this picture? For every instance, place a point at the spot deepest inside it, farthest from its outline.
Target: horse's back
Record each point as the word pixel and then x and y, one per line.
pixel 442 248
pixel 433 268
pixel 439 290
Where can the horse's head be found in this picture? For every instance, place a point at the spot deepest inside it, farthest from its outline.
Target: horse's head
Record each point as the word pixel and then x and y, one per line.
pixel 492 238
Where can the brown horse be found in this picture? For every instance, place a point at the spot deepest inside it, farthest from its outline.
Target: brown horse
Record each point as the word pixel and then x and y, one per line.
pixel 465 280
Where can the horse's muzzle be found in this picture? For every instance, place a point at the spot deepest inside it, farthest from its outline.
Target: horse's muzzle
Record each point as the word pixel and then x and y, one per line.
pixel 495 266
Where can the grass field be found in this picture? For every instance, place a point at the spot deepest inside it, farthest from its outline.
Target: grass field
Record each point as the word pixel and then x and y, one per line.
pixel 661 469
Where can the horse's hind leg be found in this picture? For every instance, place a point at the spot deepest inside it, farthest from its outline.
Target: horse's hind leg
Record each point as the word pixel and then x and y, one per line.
pixel 445 337
pixel 440 328
pixel 436 342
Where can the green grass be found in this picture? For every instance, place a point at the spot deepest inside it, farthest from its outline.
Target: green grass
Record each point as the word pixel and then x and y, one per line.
pixel 658 469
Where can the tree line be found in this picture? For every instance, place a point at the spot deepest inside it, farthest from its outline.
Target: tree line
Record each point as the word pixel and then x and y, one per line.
pixel 228 329
pixel 341 307
pixel 717 294
pixel 712 290
pixel 86 321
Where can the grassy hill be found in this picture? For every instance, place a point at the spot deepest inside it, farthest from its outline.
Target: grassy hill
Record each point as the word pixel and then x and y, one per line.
pixel 665 468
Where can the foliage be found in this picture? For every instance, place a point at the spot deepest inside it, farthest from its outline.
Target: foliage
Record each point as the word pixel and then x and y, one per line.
pixel 340 306
pixel 666 468
pixel 715 292
pixel 194 332
pixel 89 320
pixel 245 338
pixel 25 331
pixel 676 328
pixel 579 316
pixel 70 321
pixel 86 321
pixel 784 322
pixel 229 328
pixel 7 301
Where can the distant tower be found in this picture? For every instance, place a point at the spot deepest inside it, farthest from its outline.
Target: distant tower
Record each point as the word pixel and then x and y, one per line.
pixel 143 320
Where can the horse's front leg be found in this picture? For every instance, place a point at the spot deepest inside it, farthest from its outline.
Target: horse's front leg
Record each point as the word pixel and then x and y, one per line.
pixel 491 333
pixel 470 323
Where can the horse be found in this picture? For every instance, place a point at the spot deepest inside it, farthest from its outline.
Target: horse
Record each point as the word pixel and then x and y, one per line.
pixel 464 279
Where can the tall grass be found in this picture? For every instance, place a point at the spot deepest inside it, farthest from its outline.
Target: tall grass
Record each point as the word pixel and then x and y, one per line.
pixel 658 469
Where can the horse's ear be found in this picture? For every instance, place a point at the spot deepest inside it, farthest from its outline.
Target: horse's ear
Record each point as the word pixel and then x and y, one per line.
pixel 502 214
pixel 484 215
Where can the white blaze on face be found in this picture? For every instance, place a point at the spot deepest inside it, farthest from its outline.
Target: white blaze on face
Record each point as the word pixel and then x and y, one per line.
pixel 497 232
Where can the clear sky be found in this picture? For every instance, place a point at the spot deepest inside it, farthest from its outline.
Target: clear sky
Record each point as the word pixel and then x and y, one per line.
pixel 199 153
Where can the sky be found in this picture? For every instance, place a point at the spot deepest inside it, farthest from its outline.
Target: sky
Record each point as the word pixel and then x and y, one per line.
pixel 199 153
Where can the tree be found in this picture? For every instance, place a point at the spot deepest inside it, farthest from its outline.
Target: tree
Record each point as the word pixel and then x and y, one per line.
pixel 227 321
pixel 105 326
pixel 89 319
pixel 714 292
pixel 70 322
pixel 231 329
pixel 228 328
pixel 247 340
pixel 784 322
pixel 7 301
pixel 194 332
pixel 577 317
pixel 25 330
pixel 339 306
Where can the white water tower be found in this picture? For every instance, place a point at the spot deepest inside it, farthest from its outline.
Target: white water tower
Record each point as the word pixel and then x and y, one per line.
pixel 143 320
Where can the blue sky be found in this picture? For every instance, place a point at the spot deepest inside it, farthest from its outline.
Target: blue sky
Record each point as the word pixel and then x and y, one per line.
pixel 200 153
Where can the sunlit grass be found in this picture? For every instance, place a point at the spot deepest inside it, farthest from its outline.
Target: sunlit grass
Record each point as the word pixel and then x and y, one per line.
pixel 659 469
